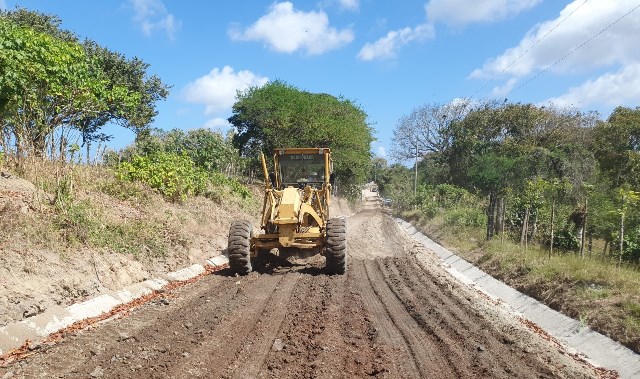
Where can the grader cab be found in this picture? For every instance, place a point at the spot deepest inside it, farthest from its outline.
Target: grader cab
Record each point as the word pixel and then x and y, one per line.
pixel 295 213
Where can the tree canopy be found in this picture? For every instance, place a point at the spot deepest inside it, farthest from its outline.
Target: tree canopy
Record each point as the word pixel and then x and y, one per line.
pixel 280 115
pixel 541 170
pixel 51 84
pixel 618 147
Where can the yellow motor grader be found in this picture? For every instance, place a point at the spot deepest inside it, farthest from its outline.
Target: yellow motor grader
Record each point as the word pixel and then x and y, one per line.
pixel 295 213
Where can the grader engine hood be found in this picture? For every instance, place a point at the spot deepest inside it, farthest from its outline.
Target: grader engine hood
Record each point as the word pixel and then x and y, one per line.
pixel 292 214
pixel 289 207
pixel 287 216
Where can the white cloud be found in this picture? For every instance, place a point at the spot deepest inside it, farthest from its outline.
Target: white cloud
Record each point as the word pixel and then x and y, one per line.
pixel 505 89
pixel 286 30
pixel 387 46
pixel 616 45
pixel 352 5
pixel 218 123
pixel 152 15
pixel 613 89
pixel 463 12
pixel 381 152
pixel 217 90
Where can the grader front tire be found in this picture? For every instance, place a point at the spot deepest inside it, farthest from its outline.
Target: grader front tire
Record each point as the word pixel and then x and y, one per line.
pixel 336 246
pixel 240 234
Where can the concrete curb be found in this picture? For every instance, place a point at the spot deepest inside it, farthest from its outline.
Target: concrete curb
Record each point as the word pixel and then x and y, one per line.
pixel 56 318
pixel 596 348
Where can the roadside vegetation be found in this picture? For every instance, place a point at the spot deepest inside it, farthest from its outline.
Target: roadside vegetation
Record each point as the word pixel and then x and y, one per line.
pixel 58 91
pixel 545 199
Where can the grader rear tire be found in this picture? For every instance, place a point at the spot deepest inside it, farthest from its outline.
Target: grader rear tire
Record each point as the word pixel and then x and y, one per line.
pixel 240 234
pixel 336 246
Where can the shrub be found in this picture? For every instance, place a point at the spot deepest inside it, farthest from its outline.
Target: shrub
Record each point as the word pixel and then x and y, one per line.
pixel 175 176
pixel 632 246
pixel 565 240
pixel 75 222
pixel 448 195
pixel 465 216
pixel 413 215
pixel 230 184
pixel 429 210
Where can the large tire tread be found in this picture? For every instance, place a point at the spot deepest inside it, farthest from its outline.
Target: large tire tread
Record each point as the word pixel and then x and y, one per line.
pixel 336 247
pixel 239 252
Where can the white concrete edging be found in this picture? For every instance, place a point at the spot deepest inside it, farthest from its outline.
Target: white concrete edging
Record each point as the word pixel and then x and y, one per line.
pixel 56 318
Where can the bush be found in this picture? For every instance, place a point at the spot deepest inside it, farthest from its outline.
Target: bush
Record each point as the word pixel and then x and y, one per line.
pixel 80 224
pixel 410 216
pixel 429 210
pixel 230 184
pixel 448 195
pixel 632 246
pixel 565 240
pixel 458 205
pixel 175 176
pixel 75 222
pixel 465 216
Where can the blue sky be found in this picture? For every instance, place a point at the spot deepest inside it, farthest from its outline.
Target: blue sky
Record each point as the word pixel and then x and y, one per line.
pixel 388 57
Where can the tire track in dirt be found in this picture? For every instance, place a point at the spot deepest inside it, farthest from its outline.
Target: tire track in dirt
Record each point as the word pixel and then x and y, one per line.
pixel 422 346
pixel 302 330
pixel 326 334
pixel 223 347
pixel 472 347
pixel 386 328
pixel 136 340
pixel 252 357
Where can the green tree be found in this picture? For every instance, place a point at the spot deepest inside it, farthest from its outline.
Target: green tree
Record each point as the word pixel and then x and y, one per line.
pixel 45 83
pixel 377 164
pixel 44 23
pixel 500 147
pixel 627 199
pixel 280 115
pixel 396 182
pixel 617 146
pixel 124 79
pixel 51 81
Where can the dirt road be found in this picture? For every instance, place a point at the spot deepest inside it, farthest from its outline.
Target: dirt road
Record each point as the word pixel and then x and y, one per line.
pixel 396 314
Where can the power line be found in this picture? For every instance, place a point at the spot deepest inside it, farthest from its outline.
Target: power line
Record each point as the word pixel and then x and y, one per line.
pixel 573 51
pixel 528 49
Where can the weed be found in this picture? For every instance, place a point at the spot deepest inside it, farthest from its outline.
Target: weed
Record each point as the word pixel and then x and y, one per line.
pixel 465 216
pixel 632 308
pixel 175 176
pixel 126 190
pixel 137 238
